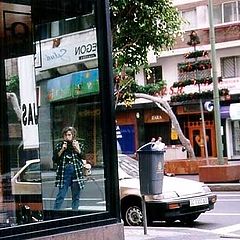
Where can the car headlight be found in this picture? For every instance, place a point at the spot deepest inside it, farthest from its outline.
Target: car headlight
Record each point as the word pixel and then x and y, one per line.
pixel 172 194
pixel 206 189
pixel 165 195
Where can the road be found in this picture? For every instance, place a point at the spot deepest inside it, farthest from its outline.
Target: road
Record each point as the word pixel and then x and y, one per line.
pixel 223 220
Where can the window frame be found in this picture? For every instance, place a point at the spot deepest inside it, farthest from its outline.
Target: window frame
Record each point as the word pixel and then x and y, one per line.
pixel 152 75
pixel 237 8
pixel 236 72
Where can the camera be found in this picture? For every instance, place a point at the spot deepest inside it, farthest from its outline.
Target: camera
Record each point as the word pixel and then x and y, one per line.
pixel 69 146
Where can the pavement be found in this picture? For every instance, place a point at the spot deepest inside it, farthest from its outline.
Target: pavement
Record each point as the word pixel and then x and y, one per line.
pixel 174 233
pixel 179 233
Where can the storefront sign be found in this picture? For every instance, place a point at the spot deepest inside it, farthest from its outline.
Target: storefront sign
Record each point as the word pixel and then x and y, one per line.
pixel 78 47
pixel 29 109
pixel 152 116
pixel 73 85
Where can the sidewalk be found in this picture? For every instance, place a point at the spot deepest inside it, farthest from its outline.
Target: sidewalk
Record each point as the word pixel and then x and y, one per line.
pixel 169 233
pixel 217 187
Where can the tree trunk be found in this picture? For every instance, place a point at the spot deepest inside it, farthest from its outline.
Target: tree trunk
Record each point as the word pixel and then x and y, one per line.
pixel 167 108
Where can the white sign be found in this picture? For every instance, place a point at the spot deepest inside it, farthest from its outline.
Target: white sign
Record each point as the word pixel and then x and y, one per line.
pixel 234 111
pixel 78 47
pixel 27 85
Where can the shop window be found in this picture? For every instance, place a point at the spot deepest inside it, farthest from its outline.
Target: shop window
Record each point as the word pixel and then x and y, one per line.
pixel 230 67
pixel 153 75
pixel 56 87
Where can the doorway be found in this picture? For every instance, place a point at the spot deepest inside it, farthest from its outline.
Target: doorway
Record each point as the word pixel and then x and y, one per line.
pixel 197 140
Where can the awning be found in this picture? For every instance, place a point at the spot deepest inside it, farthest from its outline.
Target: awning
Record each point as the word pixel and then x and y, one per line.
pixel 224 111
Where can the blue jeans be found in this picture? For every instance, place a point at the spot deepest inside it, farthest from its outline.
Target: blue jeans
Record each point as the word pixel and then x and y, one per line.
pixel 69 180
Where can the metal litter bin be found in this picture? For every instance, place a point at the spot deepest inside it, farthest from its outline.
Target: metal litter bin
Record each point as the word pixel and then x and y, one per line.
pixel 151 170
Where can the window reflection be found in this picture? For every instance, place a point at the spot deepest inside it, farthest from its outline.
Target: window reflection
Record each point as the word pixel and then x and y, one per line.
pixel 56 87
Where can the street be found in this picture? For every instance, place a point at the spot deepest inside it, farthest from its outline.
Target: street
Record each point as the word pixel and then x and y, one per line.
pixel 223 220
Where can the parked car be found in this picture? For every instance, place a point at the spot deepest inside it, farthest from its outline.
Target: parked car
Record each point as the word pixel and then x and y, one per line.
pixel 181 199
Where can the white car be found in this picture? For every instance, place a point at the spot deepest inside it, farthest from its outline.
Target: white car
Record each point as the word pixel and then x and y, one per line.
pixel 181 199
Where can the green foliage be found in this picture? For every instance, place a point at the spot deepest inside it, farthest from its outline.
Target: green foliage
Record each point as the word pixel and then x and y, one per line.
pixel 140 25
pixel 13 84
pixel 127 87
pixel 196 65
pixel 196 54
pixel 195 96
pixel 206 81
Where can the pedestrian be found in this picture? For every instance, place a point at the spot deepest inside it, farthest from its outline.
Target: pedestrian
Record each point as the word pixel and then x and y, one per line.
pixel 67 156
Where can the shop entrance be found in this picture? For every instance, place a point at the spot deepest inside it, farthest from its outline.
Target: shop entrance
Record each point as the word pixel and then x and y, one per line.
pixel 197 140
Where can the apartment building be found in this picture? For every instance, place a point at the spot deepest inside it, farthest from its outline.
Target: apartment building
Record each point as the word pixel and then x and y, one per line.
pixel 146 120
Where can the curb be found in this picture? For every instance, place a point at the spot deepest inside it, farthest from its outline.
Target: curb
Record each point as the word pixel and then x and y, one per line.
pixel 218 187
pixel 232 236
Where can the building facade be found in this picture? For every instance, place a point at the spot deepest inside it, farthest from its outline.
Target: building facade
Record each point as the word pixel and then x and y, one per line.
pixel 226 18
pixel 56 72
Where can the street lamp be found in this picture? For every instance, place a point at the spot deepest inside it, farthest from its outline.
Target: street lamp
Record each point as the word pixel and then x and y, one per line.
pixel 194 40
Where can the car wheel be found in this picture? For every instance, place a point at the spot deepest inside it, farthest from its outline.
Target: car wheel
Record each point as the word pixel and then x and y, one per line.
pixel 132 214
pixel 189 219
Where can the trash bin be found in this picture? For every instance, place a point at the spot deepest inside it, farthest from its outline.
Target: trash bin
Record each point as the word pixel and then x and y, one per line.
pixel 151 170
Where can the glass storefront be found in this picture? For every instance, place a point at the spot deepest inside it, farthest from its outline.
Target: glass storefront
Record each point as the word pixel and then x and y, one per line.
pixel 50 80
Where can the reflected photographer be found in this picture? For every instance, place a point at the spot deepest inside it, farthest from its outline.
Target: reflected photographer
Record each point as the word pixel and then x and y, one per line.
pixel 68 158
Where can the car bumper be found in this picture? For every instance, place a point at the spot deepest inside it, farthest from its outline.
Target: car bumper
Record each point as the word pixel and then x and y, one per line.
pixel 178 209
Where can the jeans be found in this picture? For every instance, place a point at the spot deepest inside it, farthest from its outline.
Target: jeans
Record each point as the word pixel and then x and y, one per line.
pixel 69 180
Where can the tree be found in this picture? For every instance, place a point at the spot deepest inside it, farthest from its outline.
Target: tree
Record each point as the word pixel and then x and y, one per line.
pixel 140 26
pixel 12 94
pixel 137 28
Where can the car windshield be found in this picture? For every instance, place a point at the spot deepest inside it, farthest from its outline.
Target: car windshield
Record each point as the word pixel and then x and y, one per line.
pixel 128 165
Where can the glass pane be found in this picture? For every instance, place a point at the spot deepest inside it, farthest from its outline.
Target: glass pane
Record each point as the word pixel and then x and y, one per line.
pixel 217 14
pixel 236 137
pixel 237 66
pixel 70 117
pixel 57 87
pixel 230 12
pixel 238 10
pixel 22 146
pixel 190 17
pixel 228 67
pixel 20 178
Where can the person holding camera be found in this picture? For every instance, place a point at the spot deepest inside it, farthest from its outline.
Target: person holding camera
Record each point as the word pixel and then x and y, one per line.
pixel 67 156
